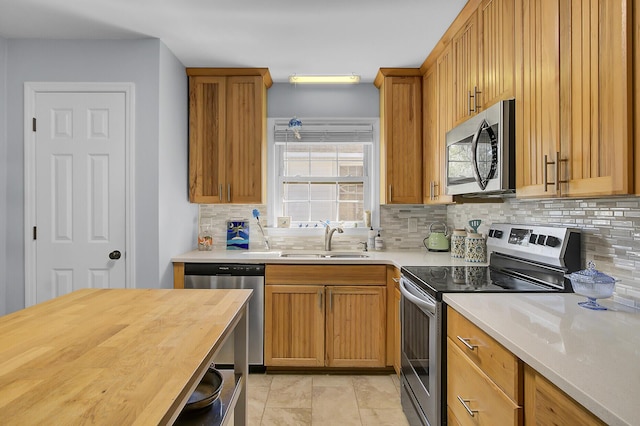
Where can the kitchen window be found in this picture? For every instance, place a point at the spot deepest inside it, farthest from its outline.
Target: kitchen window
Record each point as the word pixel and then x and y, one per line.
pixel 326 174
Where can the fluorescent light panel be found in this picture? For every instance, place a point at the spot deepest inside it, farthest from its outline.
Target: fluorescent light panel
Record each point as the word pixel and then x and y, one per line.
pixel 324 79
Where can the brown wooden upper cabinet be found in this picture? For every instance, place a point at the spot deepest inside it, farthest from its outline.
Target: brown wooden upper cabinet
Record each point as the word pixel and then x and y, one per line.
pixel 400 135
pixel 574 98
pixel 483 59
pixel 465 48
pixel 438 120
pixel 227 134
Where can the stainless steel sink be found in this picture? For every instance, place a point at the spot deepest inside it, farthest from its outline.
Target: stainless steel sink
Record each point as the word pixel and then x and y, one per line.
pixel 303 254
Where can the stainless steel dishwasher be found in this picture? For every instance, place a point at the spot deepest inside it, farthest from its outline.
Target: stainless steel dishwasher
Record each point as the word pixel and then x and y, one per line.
pixel 234 276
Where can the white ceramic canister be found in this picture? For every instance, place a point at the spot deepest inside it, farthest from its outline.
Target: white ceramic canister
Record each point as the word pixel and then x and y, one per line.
pixel 458 243
pixel 475 248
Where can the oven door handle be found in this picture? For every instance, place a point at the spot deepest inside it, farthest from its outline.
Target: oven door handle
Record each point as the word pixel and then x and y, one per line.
pixel 429 305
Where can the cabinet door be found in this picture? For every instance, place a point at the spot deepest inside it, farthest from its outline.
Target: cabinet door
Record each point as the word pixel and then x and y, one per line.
pixel 356 332
pixel 294 326
pixel 245 140
pixel 596 97
pixel 397 348
pixel 465 67
pixel 444 78
pixel 401 103
pixel 496 59
pixel 434 142
pixel 393 319
pixel 546 404
pixel 207 120
pixel 537 95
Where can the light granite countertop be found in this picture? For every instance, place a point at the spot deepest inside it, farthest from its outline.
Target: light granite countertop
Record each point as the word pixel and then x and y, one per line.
pixel 399 258
pixel 594 356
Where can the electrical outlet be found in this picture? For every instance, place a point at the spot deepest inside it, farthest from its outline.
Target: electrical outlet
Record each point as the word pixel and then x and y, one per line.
pixel 413 224
pixel 284 221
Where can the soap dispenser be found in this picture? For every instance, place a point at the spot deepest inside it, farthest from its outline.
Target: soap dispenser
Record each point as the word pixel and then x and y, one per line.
pixel 371 239
pixel 379 242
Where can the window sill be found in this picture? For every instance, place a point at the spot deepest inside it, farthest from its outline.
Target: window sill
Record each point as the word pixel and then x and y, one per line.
pixel 303 232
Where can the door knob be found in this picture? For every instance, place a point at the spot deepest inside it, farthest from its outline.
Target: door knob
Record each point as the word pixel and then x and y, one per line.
pixel 115 255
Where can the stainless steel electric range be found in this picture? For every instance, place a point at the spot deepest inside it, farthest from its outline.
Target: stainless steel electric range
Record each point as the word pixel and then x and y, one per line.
pixel 522 258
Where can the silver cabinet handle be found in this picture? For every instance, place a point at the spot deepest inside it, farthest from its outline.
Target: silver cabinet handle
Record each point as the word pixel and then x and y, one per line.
pixel 469 103
pixel 229 192
pixel 465 341
pixel 390 194
pixel 220 192
pixel 330 301
pixel 466 407
pixel 319 299
pixel 396 280
pixel 435 193
pixel 431 184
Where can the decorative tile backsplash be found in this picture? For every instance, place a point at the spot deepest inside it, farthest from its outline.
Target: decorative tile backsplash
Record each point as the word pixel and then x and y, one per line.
pixel 610 229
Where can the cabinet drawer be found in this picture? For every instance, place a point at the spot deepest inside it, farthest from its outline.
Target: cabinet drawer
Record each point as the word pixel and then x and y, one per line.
pixel 504 368
pixel 472 397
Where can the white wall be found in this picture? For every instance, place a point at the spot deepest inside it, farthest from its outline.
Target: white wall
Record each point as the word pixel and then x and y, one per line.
pixel 136 61
pixel 3 176
pixel 177 218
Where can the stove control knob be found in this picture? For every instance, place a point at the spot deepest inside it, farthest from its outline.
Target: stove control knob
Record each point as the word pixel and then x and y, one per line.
pixel 497 234
pixel 541 239
pixel 491 231
pixel 533 238
pixel 552 241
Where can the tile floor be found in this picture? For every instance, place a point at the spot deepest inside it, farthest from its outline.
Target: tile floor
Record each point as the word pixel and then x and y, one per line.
pixel 302 399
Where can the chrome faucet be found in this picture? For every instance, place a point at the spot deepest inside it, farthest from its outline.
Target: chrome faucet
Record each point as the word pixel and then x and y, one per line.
pixel 328 234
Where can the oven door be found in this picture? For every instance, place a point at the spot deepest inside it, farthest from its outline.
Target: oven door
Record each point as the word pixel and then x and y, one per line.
pixel 421 362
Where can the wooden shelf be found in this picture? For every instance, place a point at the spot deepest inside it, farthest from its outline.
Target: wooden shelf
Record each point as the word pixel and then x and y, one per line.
pixel 219 413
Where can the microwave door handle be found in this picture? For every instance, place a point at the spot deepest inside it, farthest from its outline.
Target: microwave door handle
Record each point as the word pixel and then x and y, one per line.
pixel 422 303
pixel 482 182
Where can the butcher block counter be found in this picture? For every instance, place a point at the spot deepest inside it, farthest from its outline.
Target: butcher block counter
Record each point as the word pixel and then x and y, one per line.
pixel 117 356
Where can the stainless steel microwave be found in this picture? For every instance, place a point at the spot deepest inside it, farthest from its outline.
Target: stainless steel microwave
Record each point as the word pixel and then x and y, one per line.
pixel 480 157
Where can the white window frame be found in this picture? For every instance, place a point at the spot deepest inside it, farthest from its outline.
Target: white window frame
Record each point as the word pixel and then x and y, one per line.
pixel 371 196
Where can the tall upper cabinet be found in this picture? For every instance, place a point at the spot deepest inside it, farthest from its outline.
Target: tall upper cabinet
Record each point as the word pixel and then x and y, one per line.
pixel 400 135
pixel 438 120
pixel 574 98
pixel 227 134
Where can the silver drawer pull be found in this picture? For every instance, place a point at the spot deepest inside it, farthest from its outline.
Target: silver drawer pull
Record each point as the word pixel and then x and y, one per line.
pixel 465 341
pixel 396 280
pixel 466 407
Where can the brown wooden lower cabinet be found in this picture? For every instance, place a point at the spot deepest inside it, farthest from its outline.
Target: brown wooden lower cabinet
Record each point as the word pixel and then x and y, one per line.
pixel 324 325
pixel 489 385
pixel 294 326
pixel 546 404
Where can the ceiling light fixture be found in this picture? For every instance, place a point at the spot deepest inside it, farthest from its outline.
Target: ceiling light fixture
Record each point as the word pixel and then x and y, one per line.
pixel 324 79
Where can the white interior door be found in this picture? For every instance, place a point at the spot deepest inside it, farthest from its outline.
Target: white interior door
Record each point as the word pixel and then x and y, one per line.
pixel 80 196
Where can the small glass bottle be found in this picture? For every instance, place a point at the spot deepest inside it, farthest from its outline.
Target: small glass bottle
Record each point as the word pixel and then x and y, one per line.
pixel 205 238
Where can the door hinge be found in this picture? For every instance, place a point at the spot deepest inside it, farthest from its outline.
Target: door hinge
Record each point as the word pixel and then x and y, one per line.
pixel 33 123
pixel 35 232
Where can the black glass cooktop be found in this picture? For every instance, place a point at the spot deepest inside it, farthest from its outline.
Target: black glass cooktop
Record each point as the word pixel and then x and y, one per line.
pixel 436 280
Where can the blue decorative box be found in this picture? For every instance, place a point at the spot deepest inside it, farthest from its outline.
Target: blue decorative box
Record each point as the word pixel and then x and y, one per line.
pixel 238 234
